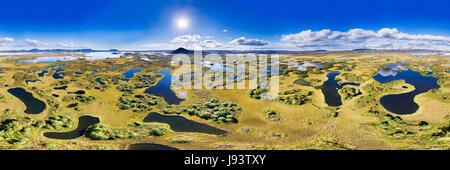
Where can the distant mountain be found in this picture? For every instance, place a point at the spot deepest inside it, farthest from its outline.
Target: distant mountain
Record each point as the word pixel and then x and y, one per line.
pixel 362 49
pixel 182 50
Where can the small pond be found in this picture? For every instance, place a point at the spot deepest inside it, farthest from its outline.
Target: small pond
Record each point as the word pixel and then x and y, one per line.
pixel 99 80
pixel 32 81
pixel 42 74
pixel 60 88
pixel 182 124
pixel 34 105
pixel 57 75
pixel 78 92
pixel 83 123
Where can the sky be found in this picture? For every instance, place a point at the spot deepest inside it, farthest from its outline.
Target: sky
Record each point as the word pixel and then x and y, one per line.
pixel 225 25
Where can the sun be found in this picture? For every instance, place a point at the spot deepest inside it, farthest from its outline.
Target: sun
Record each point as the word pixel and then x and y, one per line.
pixel 182 23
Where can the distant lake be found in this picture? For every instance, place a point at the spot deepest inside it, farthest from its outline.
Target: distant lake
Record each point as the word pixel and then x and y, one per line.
pixel 88 56
pixel 162 89
pixel 34 105
pixel 304 66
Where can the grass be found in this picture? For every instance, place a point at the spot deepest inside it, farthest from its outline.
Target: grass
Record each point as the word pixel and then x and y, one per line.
pixel 313 125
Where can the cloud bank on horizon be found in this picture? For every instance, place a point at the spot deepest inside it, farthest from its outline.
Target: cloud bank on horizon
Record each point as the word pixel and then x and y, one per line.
pixel 230 25
pixel 325 39
pixel 386 38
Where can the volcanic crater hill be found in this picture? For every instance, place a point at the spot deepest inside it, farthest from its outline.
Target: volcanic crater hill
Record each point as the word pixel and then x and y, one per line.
pixel 182 50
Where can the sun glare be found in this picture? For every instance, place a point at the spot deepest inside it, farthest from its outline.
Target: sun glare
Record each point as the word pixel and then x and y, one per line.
pixel 182 23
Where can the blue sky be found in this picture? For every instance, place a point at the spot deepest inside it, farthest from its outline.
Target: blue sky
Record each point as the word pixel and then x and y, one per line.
pixel 227 24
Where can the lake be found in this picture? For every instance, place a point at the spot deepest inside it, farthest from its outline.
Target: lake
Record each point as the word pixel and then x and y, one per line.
pixel 304 66
pixel 404 103
pixel 87 56
pixel 162 89
pixel 330 89
pixel 130 73
pixel 34 105
pixel 182 124
pixel 83 123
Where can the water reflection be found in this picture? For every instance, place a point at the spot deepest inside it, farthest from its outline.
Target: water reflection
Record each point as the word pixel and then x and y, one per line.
pixel 87 56
pixel 404 103
pixel 162 89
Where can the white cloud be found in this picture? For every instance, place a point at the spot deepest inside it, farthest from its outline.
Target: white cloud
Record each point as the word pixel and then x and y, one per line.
pixel 251 42
pixel 195 42
pixel 155 46
pixel 34 43
pixel 66 45
pixel 225 30
pixel 186 38
pixel 212 44
pixel 360 38
pixel 5 40
pixel 358 35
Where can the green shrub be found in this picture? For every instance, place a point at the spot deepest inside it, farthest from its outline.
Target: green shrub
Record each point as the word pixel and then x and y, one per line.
pixel 214 109
pixel 158 131
pixel 97 132
pixel 348 92
pixel 271 115
pixel 294 99
pixel 424 125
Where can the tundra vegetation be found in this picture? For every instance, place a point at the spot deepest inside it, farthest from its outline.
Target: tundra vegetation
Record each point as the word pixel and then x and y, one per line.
pixel 298 118
pixel 287 97
pixel 214 109
pixel 17 131
pixel 348 92
pixel 134 130
pixel 138 102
